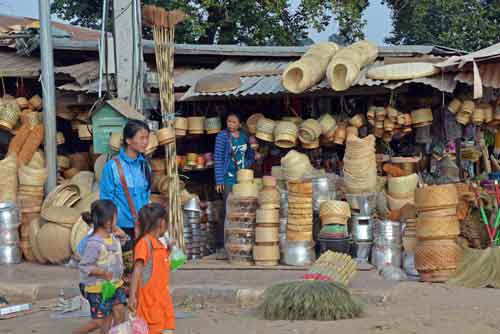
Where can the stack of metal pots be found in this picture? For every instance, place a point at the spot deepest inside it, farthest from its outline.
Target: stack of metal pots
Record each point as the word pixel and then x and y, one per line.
pixel 362 223
pixel 213 216
pixel 387 248
pixel 10 251
pixel 194 230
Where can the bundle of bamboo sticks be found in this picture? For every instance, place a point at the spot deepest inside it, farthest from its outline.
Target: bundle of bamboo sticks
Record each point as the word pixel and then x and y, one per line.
pixel 163 23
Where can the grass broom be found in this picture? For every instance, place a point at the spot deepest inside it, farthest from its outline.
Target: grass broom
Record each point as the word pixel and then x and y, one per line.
pixel 163 23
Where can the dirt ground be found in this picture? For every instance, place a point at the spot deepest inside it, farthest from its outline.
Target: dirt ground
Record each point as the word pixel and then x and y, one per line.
pixel 406 308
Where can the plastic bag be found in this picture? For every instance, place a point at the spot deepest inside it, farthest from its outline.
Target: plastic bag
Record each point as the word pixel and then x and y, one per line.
pixel 108 290
pixel 177 259
pixel 133 326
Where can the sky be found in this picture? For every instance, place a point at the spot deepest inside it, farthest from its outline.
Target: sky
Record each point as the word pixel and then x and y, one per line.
pixel 377 15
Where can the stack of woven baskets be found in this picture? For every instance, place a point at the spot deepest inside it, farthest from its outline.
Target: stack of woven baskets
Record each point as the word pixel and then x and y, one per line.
pixel 295 165
pixel 8 181
pixel 266 251
pixel 300 211
pixel 334 216
pixel 360 166
pixel 389 122
pixel 437 253
pixel 246 187
pixel 401 191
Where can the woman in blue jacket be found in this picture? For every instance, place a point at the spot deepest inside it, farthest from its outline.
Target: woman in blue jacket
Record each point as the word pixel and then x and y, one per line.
pixel 232 152
pixel 137 175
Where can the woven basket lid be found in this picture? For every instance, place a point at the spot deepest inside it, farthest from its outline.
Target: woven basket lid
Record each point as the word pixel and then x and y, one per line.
pixel 402 184
pixel 85 203
pixel 218 82
pixel 328 123
pixel 165 135
pixel 78 232
pixel 61 215
pixel 34 228
pixel 402 71
pixel 181 123
pixel 245 175
pixel 422 115
pixel 53 241
pixel 84 180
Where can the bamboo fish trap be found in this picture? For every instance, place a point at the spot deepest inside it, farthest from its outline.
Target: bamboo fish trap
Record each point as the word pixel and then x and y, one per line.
pixel 163 23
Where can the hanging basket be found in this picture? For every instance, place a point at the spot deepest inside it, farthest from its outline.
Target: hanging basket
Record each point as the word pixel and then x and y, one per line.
pixel 181 126
pixel 85 132
pixel 36 102
pixel 252 123
pixel 196 125
pixel 9 114
pixel 309 131
pixel 455 106
pixel 328 123
pixel 285 134
pixel 265 129
pixel 152 143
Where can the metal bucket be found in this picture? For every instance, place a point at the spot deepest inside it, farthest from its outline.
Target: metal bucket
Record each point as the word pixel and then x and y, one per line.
pixel 386 254
pixel 362 250
pixel 297 253
pixel 10 254
pixel 283 204
pixel 365 204
pixel 362 228
pixel 387 232
pixel 321 191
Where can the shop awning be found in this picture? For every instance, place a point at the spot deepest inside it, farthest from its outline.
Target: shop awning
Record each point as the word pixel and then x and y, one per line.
pixel 14 65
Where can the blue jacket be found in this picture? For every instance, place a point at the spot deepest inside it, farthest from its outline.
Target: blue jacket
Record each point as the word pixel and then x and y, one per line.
pixel 111 186
pixel 222 155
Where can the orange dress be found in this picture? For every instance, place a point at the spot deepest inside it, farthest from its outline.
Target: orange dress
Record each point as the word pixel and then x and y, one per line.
pixel 154 302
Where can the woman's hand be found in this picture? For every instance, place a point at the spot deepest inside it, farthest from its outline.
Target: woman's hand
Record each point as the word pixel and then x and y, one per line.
pixel 219 188
pixel 132 303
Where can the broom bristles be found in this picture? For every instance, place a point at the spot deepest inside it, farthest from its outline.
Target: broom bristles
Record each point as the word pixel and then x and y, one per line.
pixel 159 17
pixel 309 300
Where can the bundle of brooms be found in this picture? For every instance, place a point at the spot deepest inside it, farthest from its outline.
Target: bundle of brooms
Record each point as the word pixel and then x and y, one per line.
pixel 479 268
pixel 163 23
pixel 319 297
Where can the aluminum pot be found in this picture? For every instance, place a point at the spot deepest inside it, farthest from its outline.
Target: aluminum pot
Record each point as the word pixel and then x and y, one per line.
pixel 362 228
pixel 298 253
pixel 192 205
pixel 365 204
pixel 386 254
pixel 321 191
pixel 387 232
pixel 362 250
pixel 9 224
pixel 10 254
pixel 283 204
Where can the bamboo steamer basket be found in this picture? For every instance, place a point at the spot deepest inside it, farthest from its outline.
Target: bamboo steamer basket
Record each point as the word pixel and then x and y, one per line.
pixel 213 125
pixel 166 135
pixel 295 165
pixel 437 228
pixel 265 129
pixel 357 121
pixel 245 176
pixel 53 241
pixel 421 116
pixel 299 236
pixel 402 186
pixel 152 144
pixel 468 107
pixel 478 116
pixel 9 115
pixel 267 234
pixel 285 134
pixel 269 181
pixel 22 102
pixel 388 125
pixel 380 113
pixel 31 176
pixel 352 131
pixel 116 141
pixel 252 123
pixel 246 190
pixel 295 120
pixel 181 126
pixel 309 131
pixel 310 68
pixel 488 112
pixel 455 106
pixel 402 71
pixel 437 260
pixel 196 125
pixel 335 208
pixel 392 113
pixel 300 187
pixel 266 252
pixel 267 216
pixel 79 231
pixel 34 228
pixel 328 123
pixel 85 132
pixel 36 102
pixel 439 196
pixel 334 220
pixel 463 118
pixel 346 64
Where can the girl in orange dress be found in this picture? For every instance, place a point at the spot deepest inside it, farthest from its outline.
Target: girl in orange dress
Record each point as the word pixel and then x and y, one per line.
pixel 150 297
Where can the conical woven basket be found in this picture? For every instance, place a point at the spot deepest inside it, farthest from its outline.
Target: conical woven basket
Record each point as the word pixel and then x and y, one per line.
pixel 196 125
pixel 53 241
pixel 295 165
pixel 309 131
pixel 328 123
pixel 265 129
pixel 285 134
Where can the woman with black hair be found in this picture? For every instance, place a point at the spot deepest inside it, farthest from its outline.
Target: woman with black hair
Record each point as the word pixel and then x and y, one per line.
pixel 126 181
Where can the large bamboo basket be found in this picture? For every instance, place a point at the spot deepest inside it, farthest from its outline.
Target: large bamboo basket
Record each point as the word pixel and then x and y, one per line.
pixel 34 228
pixel 245 176
pixel 403 186
pixel 334 208
pixel 434 197
pixel 53 241
pixel 266 253
pixel 437 260
pixel 32 176
pixel 437 228
pixel 309 131
pixel 285 134
pixel 347 63
pixel 196 125
pixel 265 129
pixel 166 136
pixel 310 68
pixel 252 123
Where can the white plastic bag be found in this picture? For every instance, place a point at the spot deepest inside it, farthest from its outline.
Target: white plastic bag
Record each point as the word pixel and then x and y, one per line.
pixel 133 326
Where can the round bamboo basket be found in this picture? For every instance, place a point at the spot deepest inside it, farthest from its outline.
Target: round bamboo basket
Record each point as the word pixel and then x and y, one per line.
pixel 196 125
pixel 309 131
pixel 166 136
pixel 300 187
pixel 245 176
pixel 421 116
pixel 328 123
pixel 463 118
pixel 116 141
pixel 152 144
pixel 78 232
pixel 213 125
pixel 285 134
pixel 432 197
pixel 295 165
pixel 478 116
pixel 60 140
pixel 437 259
pixel 455 106
pixel 265 129
pixel 269 181
pixel 34 228
pixel 468 107
pixel 267 216
pixel 31 176
pixel 333 208
pixel 340 135
pixel 267 234
pixel 252 123
pixel 403 186
pixel 65 216
pixel 488 112
pixel 9 115
pixel 22 102
pixel 266 254
pixel 311 146
pixel 53 241
pixel 181 126
pixel 437 228
pixel 357 121
pixel 246 190
pixel 36 102
pixel 351 131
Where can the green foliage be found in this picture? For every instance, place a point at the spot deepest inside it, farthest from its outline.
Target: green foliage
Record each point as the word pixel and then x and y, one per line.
pixel 461 24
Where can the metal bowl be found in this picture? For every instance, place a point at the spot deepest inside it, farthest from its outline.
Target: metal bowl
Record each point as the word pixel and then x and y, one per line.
pixel 298 253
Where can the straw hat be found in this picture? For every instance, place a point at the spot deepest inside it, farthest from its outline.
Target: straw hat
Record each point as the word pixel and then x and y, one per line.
pixel 328 123
pixel 421 117
pixel 166 135
pixel 181 126
pixel 265 129
pixel 285 134
pixel 196 125
pixel 213 125
pixel 53 241
pixel 455 105
pixel 85 131
pixel 252 123
pixel 309 131
pixel 78 232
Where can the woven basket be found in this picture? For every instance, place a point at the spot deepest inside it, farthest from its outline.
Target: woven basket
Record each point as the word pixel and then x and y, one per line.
pixel 84 181
pixel 334 220
pixel 437 255
pixel 152 144
pixel 116 141
pixel 340 135
pixel 309 131
pixel 299 236
pixel 79 230
pixel 267 234
pixel 31 118
pixel 285 134
pixel 269 196
pixel 269 181
pixel 295 120
pixel 213 125
pixel 38 160
pixel 266 253
pixel 398 203
pixel 488 112
pixel 245 176
pixel 328 123
pixel 421 116
pixel 468 107
pixel 166 136
pixel 252 123
pixel 181 126
pixel 447 227
pixel 267 216
pixel 246 190
pixel 351 131
pixel 36 102
pixel 332 208
pixel 84 204
pixel 31 176
pixel 357 121
pixel 478 116
pixel 85 132
pixel 61 215
pixel 265 129
pixel 60 140
pixel 402 186
pixel 295 165
pixel 402 71
pixel 22 102
pixel 64 195
pixel 9 114
pixel 431 197
pixel 34 228
pixel 463 118
pixel 196 125
pixel 53 241
pixel 455 106
pixel 300 187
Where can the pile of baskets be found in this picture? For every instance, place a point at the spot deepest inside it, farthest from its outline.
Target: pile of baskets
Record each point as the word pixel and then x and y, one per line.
pixel 266 251
pixel 401 191
pixel 194 231
pixel 388 122
pixel 300 211
pixel 295 166
pixel 246 186
pixel 468 112
pixel 360 166
pixel 437 253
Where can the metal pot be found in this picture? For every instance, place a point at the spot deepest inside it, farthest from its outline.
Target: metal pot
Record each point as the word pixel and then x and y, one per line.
pixel 385 254
pixel 9 224
pixel 362 250
pixel 321 191
pixel 387 232
pixel 192 205
pixel 298 253
pixel 364 203
pixel 10 254
pixel 362 228
pixel 283 204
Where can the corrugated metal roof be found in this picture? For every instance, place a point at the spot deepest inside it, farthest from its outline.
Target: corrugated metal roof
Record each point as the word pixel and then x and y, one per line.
pixel 445 82
pixel 83 73
pixel 14 65
pixel 489 73
pixel 183 76
pixel 490 52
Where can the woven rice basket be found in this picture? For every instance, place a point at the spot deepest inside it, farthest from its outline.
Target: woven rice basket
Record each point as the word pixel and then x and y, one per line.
pixel 488 112
pixel 245 176
pixel 266 253
pixel 152 143
pixel 285 134
pixel 402 186
pixel 265 129
pixel 345 66
pixel 309 131
pixel 166 136
pixel 181 126
pixel 246 190
pixel 423 115
pixel 196 125
pixel 455 106
pixel 357 121
pixel 9 114
pixel 53 241
pixel 32 176
pixel 252 123
pixel 61 215
pixel 468 106
pixel 447 227
pixel 34 228
pixel 267 216
pixel 478 116
pixel 22 102
pixel 436 196
pixel 402 71
pixel 310 68
pixel 328 123
pixel 213 125
pixel 437 256
pixel 85 131
pixel 335 208
pixel 36 102
pixel 295 165
pixel 463 118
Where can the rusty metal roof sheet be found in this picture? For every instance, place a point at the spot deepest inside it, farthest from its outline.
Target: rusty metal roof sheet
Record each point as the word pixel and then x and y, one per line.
pixel 489 73
pixel 14 65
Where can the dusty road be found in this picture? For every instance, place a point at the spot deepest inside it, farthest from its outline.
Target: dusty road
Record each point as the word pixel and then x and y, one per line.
pixel 405 308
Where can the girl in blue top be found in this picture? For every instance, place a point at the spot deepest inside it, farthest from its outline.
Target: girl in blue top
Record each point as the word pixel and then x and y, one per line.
pixel 137 174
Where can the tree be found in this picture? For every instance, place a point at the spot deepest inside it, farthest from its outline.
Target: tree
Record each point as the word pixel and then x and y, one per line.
pixel 461 24
pixel 349 14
